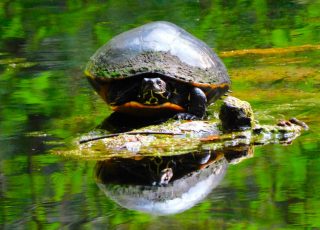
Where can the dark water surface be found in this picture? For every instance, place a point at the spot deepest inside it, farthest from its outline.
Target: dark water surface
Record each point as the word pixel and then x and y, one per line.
pixel 45 100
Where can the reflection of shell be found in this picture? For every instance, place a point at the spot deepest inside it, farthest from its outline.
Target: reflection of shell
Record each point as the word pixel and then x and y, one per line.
pixel 175 197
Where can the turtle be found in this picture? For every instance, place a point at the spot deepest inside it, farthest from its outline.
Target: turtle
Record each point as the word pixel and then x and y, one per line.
pixel 155 69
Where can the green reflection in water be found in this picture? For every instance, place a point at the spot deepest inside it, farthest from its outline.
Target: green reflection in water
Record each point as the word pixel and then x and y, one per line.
pixel 44 98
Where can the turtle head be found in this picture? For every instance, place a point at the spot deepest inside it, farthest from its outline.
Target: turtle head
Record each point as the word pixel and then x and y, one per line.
pixel 153 91
pixel 156 85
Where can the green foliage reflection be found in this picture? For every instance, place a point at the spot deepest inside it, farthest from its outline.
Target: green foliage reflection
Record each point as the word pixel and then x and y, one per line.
pixel 44 46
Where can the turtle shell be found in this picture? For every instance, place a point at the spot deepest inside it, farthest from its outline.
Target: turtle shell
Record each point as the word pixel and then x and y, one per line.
pixel 162 48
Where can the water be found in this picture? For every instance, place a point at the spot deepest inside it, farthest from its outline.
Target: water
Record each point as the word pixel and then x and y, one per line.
pixel 45 100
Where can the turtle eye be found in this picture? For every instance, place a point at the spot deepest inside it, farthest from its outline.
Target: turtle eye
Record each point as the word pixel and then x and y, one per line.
pixel 161 83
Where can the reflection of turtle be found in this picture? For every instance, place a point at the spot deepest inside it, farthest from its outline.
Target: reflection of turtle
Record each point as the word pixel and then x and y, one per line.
pixel 178 195
pixel 155 69
pixel 156 171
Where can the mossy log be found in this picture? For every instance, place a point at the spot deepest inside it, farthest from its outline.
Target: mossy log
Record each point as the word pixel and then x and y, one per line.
pixel 175 137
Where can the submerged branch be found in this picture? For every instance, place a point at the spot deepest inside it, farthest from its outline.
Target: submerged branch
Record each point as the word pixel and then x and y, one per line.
pixel 269 51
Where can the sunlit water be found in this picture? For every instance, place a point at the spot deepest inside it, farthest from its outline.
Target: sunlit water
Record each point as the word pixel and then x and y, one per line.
pixel 45 100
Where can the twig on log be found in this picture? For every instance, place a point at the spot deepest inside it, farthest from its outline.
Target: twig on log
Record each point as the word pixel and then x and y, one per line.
pixel 129 133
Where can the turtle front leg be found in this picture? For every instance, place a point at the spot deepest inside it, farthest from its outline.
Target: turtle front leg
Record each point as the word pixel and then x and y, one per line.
pixel 197 105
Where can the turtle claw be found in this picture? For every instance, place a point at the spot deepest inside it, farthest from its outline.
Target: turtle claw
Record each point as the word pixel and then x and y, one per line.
pixel 185 116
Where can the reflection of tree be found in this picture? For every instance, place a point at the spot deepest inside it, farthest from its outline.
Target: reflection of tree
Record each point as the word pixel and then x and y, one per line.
pixel 43 47
pixel 254 23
